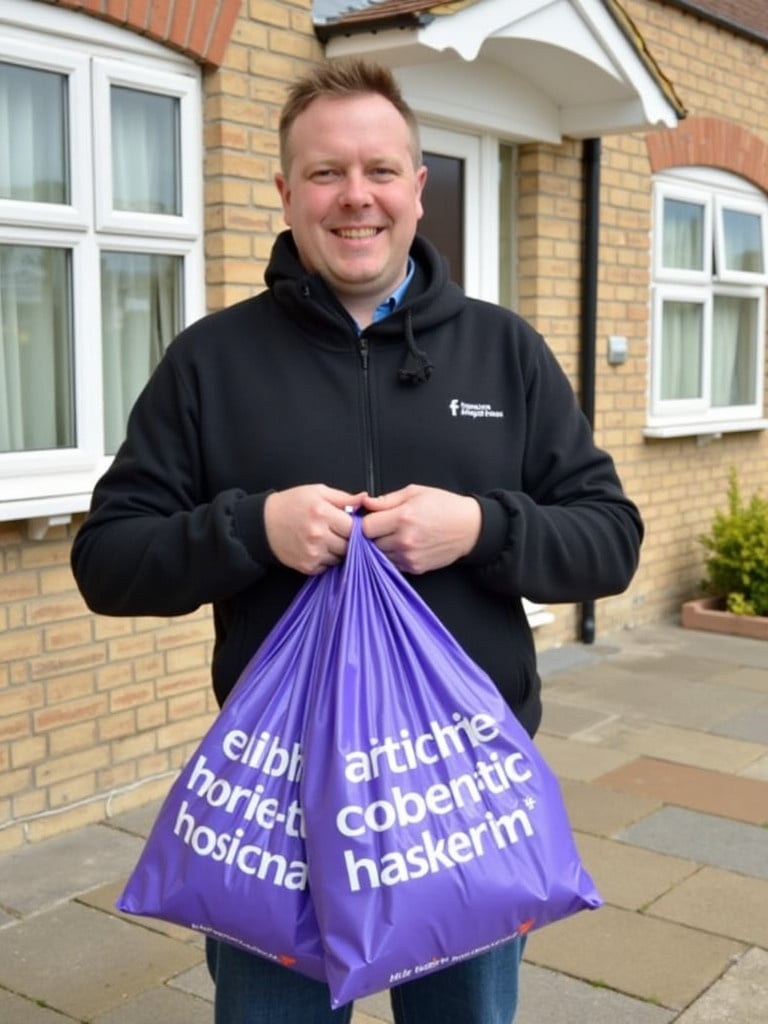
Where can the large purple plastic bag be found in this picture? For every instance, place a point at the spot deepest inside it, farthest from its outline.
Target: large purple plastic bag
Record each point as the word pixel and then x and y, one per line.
pixel 435 830
pixel 226 855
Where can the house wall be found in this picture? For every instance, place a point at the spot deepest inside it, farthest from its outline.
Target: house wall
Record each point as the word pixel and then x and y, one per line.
pixel 98 714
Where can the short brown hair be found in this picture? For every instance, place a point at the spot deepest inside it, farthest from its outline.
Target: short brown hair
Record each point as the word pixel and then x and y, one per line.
pixel 344 77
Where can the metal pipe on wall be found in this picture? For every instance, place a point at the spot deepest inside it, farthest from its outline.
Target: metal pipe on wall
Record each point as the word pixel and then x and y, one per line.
pixel 591 154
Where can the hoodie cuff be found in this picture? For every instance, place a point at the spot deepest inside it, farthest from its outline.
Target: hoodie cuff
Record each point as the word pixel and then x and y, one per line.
pixel 248 516
pixel 493 532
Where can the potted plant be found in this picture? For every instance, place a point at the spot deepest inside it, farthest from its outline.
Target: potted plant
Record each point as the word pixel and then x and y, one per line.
pixel 736 567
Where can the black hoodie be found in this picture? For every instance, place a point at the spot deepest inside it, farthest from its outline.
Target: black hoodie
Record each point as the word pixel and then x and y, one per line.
pixel 281 390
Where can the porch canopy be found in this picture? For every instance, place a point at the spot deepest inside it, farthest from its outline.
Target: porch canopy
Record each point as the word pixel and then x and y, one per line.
pixel 526 70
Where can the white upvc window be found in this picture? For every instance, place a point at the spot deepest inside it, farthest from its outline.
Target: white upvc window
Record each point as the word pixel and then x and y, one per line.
pixel 100 243
pixel 708 326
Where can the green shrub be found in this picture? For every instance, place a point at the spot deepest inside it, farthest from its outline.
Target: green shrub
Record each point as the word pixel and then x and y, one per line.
pixel 737 559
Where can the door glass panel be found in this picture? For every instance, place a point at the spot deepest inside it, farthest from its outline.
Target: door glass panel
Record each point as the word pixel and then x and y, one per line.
pixel 734 350
pixel 681 373
pixel 743 241
pixel 443 220
pixel 141 303
pixel 34 161
pixel 145 152
pixel 36 362
pixel 683 236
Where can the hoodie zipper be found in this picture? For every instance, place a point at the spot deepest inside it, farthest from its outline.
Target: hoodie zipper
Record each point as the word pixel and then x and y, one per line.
pixel 370 481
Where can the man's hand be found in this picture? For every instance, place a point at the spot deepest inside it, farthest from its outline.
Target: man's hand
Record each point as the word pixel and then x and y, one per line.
pixel 422 528
pixel 307 527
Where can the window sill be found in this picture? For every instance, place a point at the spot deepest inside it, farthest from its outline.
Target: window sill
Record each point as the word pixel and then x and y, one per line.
pixel 710 430
pixel 38 511
pixel 537 614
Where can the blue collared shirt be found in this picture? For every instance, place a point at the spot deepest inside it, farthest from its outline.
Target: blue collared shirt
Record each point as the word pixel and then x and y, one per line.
pixel 390 304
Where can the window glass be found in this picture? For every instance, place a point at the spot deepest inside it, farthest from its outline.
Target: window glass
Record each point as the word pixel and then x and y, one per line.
pixel 36 364
pixel 683 235
pixel 734 339
pixel 681 348
pixel 33 133
pixel 145 152
pixel 141 308
pixel 743 241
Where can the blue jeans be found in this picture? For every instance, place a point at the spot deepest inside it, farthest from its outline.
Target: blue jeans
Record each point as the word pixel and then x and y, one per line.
pixel 250 990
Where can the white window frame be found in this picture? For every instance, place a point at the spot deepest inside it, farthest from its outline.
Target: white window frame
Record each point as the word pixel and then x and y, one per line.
pixel 715 191
pixel 94 55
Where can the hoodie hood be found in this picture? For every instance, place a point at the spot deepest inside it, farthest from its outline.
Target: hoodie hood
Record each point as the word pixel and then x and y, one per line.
pixel 431 299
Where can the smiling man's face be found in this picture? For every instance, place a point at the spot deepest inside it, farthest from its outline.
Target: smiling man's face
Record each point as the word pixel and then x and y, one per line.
pixel 352 196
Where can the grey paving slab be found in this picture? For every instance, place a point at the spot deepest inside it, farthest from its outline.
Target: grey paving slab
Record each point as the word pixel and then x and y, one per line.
pixel 657 961
pixel 17 1010
pixel 138 821
pixel 376 1006
pixel 658 697
pixel 629 876
pixel 159 1005
pixel 744 676
pixel 739 997
pixel 43 874
pixel 579 760
pixel 104 898
pixel 550 998
pixel 720 753
pixel 563 719
pixel 603 812
pixel 720 902
pixel 705 838
pixel 718 647
pixel 83 962
pixel 568 657
pixel 757 770
pixel 752 726
pixel 195 982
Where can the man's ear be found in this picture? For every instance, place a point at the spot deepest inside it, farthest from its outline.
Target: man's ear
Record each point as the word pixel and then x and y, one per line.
pixel 284 191
pixel 421 181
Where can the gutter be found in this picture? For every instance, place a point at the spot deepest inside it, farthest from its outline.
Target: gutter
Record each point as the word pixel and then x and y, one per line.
pixel 591 153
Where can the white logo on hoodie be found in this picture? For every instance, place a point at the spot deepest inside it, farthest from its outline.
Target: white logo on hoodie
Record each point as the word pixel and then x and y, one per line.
pixel 475 410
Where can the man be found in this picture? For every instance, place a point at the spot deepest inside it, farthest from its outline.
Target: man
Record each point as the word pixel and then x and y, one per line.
pixel 362 377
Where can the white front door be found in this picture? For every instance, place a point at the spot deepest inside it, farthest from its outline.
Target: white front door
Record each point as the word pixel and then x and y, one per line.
pixel 461 206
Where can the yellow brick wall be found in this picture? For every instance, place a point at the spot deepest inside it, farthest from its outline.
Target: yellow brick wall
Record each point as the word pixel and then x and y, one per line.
pixel 97 714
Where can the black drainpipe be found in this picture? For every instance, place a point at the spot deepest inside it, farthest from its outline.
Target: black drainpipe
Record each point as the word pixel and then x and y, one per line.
pixel 588 326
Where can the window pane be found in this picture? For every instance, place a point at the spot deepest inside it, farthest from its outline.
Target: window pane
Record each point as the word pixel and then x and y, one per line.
pixel 681 348
pixel 743 242
pixel 683 237
pixel 34 163
pixel 141 313
pixel 734 350
pixel 145 152
pixel 36 364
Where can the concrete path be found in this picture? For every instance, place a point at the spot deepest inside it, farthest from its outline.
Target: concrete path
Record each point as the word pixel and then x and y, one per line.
pixel 660 739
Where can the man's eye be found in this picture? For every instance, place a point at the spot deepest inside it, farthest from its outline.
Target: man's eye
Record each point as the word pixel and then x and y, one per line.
pixel 324 174
pixel 382 172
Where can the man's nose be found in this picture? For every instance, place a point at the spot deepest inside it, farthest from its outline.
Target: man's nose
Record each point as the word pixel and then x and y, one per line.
pixel 356 189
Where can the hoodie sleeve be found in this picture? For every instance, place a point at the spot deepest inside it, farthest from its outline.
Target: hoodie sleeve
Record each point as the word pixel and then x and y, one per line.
pixel 570 533
pixel 153 542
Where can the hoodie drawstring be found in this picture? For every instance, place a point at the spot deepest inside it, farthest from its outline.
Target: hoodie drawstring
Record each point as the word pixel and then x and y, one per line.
pixel 417 368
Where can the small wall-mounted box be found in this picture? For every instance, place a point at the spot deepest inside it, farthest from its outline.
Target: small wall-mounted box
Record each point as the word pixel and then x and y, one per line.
pixel 617 350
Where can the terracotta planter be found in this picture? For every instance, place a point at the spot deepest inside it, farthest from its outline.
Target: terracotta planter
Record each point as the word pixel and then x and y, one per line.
pixel 709 613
